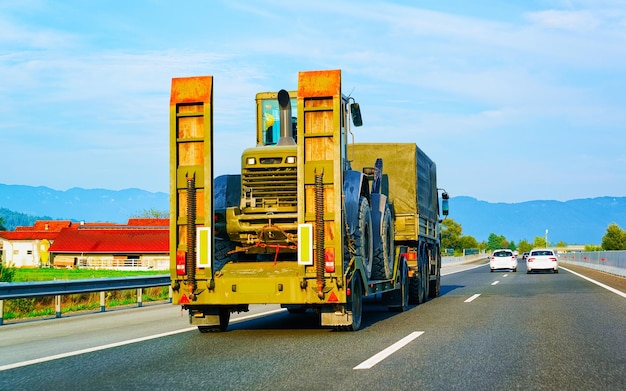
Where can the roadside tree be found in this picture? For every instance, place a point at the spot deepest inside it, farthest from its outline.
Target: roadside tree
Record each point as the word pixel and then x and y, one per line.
pixel 152 214
pixel 615 238
pixel 540 242
pixel 451 233
pixel 524 246
pixel 495 242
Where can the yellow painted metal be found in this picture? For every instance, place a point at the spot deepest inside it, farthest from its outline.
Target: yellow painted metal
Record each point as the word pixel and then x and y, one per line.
pixel 191 150
pixel 320 152
pixel 265 283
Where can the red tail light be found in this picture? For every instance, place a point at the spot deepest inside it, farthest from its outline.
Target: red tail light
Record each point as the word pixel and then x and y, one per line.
pixel 410 256
pixel 329 260
pixel 530 259
pixel 553 259
pixel 181 257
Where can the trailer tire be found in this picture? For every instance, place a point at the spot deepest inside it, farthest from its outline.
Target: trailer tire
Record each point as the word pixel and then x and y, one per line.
pixel 363 237
pixel 355 305
pixel 384 254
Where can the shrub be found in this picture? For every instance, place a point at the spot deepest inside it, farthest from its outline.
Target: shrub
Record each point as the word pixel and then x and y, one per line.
pixel 7 272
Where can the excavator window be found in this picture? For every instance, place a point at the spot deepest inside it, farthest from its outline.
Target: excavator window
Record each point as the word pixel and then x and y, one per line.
pixel 271 120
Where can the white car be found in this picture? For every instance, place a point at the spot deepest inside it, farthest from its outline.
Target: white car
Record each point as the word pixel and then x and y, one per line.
pixel 542 259
pixel 503 259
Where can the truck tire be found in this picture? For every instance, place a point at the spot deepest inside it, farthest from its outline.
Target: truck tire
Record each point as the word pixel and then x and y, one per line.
pixel 435 285
pixel 418 283
pixel 363 237
pixel 355 305
pixel 401 295
pixel 384 253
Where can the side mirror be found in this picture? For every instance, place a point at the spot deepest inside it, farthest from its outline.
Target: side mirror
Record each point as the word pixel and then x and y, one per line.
pixel 355 110
pixel 445 208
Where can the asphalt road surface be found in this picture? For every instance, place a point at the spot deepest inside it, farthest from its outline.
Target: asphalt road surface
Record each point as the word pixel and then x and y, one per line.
pixel 487 331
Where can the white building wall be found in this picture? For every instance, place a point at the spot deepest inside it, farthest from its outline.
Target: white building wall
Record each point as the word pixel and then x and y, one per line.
pixel 22 253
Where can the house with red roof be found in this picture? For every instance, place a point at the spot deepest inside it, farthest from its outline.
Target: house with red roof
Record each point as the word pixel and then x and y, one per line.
pixel 140 244
pixel 28 246
pixel 144 246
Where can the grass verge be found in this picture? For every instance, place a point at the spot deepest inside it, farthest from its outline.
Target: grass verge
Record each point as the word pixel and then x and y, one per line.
pixel 17 309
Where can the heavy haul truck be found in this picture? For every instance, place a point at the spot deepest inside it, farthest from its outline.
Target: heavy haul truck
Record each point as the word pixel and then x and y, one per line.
pixel 313 221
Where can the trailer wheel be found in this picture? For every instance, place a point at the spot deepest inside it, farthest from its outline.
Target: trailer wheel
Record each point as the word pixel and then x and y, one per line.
pixel 384 256
pixel 363 236
pixel 355 305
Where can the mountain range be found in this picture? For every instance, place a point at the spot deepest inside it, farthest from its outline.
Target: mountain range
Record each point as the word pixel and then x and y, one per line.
pixel 581 221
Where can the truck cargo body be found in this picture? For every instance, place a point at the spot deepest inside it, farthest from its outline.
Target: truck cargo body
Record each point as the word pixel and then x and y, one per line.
pixel 299 226
pixel 412 182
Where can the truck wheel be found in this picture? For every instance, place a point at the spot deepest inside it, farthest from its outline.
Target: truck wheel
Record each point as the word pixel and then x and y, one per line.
pixel 355 305
pixel 423 295
pixel 384 255
pixel 363 236
pixel 402 296
pixel 414 289
pixel 419 283
pixel 435 285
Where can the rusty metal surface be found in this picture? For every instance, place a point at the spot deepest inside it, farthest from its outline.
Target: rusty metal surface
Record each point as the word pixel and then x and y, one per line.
pixel 319 83
pixel 191 89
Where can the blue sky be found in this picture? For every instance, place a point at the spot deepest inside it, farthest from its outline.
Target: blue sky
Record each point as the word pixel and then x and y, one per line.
pixel 514 101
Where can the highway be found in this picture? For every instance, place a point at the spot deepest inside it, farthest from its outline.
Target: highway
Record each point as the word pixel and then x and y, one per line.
pixel 487 331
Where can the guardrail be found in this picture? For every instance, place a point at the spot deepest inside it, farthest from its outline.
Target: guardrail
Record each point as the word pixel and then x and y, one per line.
pixel 613 262
pixel 451 261
pixel 68 287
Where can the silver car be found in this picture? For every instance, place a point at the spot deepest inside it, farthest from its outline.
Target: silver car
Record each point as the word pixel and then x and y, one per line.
pixel 542 259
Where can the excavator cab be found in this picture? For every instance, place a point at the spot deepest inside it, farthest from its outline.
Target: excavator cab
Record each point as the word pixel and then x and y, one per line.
pixel 269 118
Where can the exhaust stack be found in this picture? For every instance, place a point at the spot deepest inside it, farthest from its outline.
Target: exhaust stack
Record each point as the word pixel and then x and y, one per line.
pixel 284 103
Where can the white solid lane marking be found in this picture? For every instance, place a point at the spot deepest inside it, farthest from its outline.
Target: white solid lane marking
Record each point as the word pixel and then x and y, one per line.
pixel 495 283
pixel 122 343
pixel 90 350
pixel 472 298
pixel 617 292
pixel 447 273
pixel 380 356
